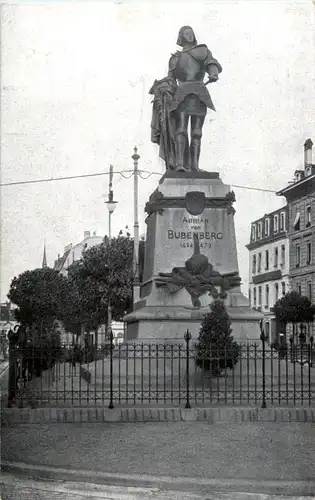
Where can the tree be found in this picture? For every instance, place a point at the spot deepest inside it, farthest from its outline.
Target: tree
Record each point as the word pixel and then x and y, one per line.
pixel 216 348
pixel 39 296
pixel 104 273
pixel 293 308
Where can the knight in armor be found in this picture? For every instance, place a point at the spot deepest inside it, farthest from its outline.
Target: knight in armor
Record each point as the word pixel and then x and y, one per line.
pixel 180 98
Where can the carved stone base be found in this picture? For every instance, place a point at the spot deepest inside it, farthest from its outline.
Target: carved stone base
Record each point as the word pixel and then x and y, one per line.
pixel 190 259
pixel 167 324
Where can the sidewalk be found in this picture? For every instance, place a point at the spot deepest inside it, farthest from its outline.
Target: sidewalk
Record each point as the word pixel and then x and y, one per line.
pixel 4 379
pixel 3 366
pixel 21 489
pixel 189 456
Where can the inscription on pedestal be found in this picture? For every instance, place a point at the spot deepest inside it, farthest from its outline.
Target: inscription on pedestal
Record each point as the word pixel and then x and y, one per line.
pixel 193 227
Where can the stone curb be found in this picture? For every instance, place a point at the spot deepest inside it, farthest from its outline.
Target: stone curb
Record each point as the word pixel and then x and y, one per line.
pixel 214 415
pixel 196 484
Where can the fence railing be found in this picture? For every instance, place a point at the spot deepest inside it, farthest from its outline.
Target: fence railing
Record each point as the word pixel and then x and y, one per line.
pixel 181 374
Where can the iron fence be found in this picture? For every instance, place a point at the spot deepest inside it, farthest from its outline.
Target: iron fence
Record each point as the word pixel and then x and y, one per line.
pixel 149 374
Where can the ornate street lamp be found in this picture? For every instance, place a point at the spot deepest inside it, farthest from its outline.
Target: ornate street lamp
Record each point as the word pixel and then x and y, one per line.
pixel 111 205
pixel 136 280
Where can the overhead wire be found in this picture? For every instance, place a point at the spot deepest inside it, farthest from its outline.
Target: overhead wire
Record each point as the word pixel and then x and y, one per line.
pixel 120 172
pixel 70 177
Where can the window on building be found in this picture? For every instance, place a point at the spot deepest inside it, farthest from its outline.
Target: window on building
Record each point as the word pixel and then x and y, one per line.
pixel 266 227
pixel 259 230
pixel 282 221
pixel 276 257
pixel 308 170
pixel 253 232
pixel 267 259
pixel 283 288
pixel 250 296
pixel 275 224
pixel 308 252
pixel 276 291
pixel 259 262
pixel 299 289
pixel 297 255
pixel 296 222
pixel 254 264
pixel 309 290
pixel 259 296
pixel 267 295
pixel 283 254
pixel 308 216
pixel 255 297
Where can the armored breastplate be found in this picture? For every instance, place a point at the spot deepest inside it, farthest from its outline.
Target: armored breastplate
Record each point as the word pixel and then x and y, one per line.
pixel 189 69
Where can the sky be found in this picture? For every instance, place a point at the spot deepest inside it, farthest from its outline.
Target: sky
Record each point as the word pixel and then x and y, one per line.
pixel 74 99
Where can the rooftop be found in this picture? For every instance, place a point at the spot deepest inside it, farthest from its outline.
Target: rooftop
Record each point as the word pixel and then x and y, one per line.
pixel 294 184
pixel 270 214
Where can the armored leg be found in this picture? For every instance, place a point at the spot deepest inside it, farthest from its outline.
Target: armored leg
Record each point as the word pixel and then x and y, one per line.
pixel 181 141
pixel 195 143
pixel 180 147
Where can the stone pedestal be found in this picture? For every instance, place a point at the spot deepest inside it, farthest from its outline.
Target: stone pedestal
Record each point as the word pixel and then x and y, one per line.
pixel 186 207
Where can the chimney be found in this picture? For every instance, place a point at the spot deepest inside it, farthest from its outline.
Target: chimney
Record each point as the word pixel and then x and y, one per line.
pixel 308 152
pixel 87 234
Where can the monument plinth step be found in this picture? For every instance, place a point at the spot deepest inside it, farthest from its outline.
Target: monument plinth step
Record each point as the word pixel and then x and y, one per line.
pixel 195 174
pixel 174 313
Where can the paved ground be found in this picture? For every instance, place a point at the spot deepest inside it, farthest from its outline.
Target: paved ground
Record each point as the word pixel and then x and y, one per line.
pixel 4 378
pixel 247 451
pixel 17 489
pixel 3 368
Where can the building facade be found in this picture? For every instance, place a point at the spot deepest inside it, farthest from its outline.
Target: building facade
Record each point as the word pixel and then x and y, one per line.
pixel 268 265
pixel 300 196
pixel 73 253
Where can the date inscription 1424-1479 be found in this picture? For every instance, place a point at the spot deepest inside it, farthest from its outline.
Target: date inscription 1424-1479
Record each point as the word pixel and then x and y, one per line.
pixel 187 244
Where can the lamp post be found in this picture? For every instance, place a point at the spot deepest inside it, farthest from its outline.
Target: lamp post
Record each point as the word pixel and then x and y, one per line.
pixel 136 278
pixel 111 205
pixel 263 338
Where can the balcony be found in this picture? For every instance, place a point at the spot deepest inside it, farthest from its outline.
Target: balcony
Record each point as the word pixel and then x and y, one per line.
pixel 267 276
